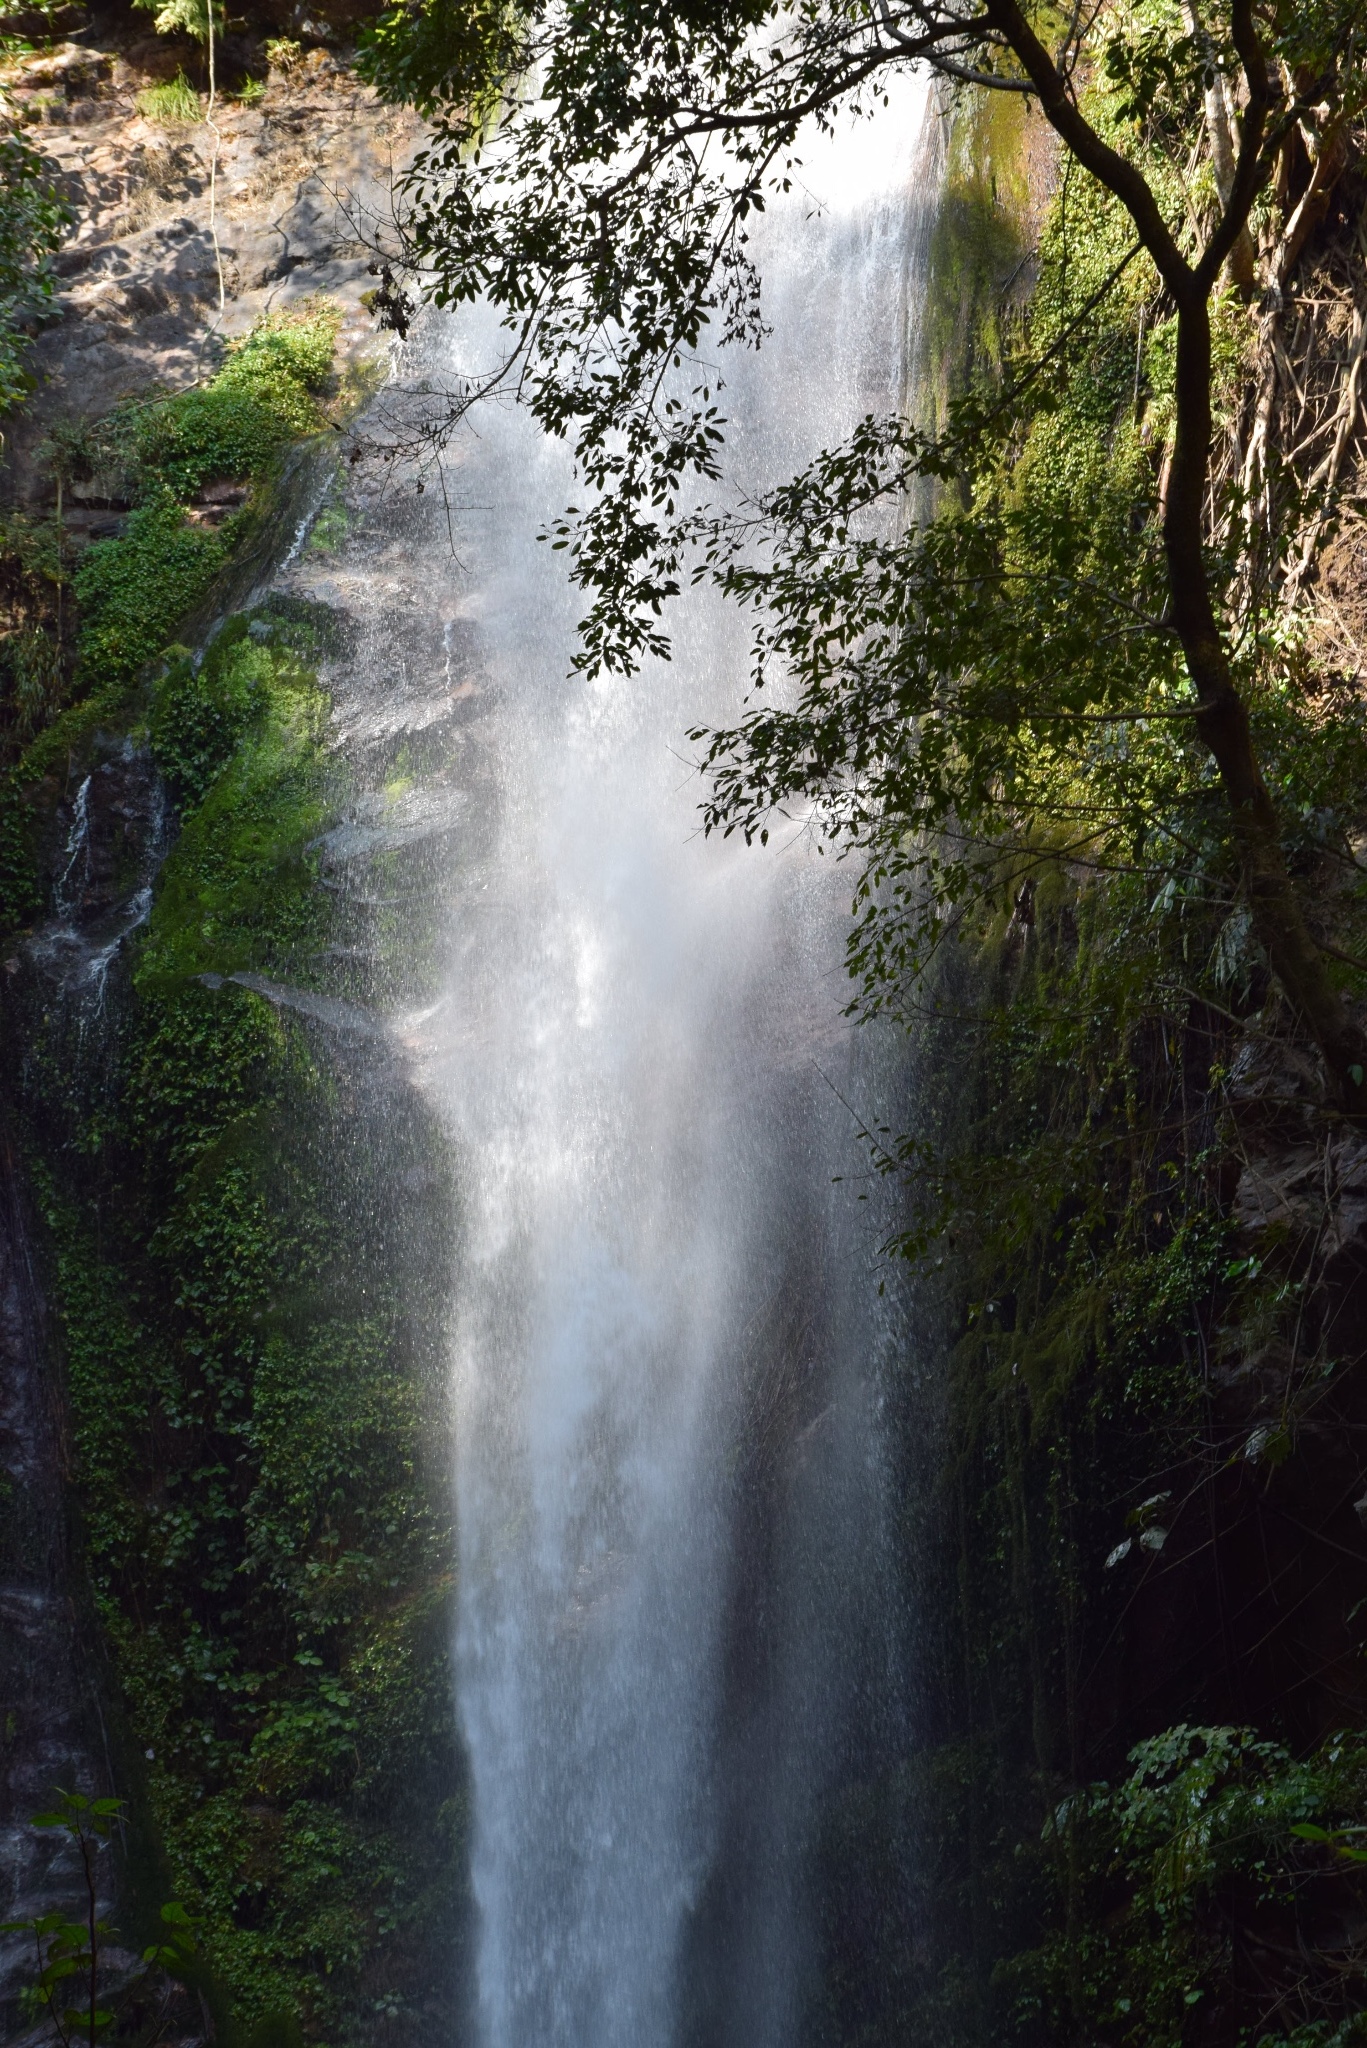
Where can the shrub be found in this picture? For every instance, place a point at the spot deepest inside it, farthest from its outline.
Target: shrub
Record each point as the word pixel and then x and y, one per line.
pixel 1212 1851
pixel 33 221
pixel 134 590
pixel 287 348
pixel 262 398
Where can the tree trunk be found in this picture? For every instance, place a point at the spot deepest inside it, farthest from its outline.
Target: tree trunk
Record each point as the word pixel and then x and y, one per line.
pixel 1222 718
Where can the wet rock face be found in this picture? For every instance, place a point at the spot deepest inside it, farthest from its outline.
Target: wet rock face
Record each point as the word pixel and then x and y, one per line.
pixel 102 834
pixel 102 828
pixel 1273 1511
pixel 49 1730
pixel 297 174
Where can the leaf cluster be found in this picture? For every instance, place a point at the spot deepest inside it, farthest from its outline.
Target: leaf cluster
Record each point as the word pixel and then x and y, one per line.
pixel 72 1955
pixel 134 588
pixel 200 711
pixel 1208 1844
pixel 34 219
pixel 184 17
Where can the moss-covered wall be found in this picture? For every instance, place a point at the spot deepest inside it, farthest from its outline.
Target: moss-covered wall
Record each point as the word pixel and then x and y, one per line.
pixel 248 1229
pixel 998 161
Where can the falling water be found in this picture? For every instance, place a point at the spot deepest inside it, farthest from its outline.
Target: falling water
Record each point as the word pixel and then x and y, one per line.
pixel 667 1339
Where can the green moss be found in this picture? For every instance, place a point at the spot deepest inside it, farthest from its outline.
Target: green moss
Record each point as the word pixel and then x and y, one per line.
pixel 979 259
pixel 21 886
pixel 248 1354
pixel 239 891
pixel 200 715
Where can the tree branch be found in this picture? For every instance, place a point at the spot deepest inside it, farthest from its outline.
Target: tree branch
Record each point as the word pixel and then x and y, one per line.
pixel 1106 164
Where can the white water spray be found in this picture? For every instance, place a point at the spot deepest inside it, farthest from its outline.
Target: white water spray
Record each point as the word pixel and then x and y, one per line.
pixel 663 1313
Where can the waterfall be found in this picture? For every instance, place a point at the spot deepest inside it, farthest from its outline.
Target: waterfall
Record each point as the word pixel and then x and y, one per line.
pixel 667 1340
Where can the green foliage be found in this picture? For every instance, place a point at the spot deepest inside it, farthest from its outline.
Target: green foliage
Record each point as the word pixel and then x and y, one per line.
pixel 247 1348
pixel 947 683
pixel 986 709
pixel 241 890
pixel 25 793
pixel 71 1956
pixel 995 692
pixel 1098 979
pixel 1156 64
pixel 130 593
pixel 174 104
pixel 445 52
pixel 21 891
pixel 246 1356
pixel 185 17
pixel 1210 1832
pixel 329 530
pixel 200 712
pixel 234 427
pixel 33 223
pixel 135 589
pixel 584 216
pixel 35 627
pixel 67 1952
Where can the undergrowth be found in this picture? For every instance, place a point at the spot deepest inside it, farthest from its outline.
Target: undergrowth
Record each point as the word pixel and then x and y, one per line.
pixel 135 588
